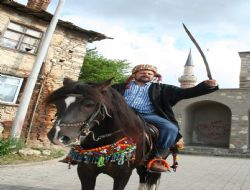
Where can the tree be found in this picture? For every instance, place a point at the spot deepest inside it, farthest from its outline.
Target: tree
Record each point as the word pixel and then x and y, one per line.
pixel 97 68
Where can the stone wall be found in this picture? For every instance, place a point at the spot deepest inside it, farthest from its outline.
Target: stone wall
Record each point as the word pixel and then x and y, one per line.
pixel 64 59
pixel 237 101
pixel 14 62
pixel 7 114
pixel 38 4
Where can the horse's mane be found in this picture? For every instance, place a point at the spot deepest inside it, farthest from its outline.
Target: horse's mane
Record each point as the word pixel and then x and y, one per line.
pixel 75 87
pixel 123 116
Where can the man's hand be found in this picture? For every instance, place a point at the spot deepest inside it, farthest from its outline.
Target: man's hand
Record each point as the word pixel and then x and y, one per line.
pixel 211 83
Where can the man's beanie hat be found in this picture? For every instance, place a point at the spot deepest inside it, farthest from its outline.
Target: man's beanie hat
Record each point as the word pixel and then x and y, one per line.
pixel 144 67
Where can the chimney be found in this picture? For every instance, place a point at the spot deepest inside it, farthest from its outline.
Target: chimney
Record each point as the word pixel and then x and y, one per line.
pixel 38 5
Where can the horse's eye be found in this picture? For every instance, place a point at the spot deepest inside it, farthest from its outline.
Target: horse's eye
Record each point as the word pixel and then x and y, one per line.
pixel 89 105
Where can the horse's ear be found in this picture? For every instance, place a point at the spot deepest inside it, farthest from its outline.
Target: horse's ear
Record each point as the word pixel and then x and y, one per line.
pixel 67 81
pixel 104 85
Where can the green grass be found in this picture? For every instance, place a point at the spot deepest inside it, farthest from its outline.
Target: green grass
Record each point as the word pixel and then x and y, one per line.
pixel 10 145
pixel 15 158
pixel 9 152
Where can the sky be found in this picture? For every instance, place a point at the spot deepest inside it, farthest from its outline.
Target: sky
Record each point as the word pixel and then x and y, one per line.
pixel 151 32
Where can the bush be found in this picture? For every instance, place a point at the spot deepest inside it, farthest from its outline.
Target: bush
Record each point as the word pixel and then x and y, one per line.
pixel 10 145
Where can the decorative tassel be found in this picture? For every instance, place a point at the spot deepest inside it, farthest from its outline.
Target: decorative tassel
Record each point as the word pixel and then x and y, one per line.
pixel 121 159
pixel 120 151
pixel 100 162
pixel 114 158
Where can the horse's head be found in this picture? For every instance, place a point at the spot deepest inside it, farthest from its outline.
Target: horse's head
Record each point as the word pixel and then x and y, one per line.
pixel 78 106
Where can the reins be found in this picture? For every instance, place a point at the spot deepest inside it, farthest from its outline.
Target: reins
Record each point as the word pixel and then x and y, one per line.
pixel 103 136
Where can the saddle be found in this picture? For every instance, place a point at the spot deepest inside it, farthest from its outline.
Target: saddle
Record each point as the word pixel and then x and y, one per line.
pixel 153 131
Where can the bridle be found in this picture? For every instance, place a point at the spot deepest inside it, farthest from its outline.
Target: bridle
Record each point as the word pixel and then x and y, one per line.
pixel 86 126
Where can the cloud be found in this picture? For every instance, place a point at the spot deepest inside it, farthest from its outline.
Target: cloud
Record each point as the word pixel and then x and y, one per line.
pixel 147 31
pixel 224 63
pixel 136 47
pixel 162 51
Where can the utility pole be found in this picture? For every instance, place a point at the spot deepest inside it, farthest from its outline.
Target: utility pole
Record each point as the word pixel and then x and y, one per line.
pixel 29 87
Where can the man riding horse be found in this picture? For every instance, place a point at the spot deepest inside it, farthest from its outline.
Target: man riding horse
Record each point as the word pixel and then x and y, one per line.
pixel 154 101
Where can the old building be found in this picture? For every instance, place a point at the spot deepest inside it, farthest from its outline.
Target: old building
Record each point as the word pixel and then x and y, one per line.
pixel 21 31
pixel 218 121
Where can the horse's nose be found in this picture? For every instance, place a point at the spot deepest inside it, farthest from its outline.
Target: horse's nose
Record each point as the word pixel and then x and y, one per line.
pixel 64 139
pixel 57 138
pixel 50 134
pixel 53 136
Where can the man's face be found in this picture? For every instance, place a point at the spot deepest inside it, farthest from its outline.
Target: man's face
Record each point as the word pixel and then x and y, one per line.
pixel 144 76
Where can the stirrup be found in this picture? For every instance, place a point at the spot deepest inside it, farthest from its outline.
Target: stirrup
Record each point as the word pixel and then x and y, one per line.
pixel 164 162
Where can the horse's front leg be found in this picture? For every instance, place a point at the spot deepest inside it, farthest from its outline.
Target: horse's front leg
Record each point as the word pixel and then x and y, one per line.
pixel 148 181
pixel 121 180
pixel 87 177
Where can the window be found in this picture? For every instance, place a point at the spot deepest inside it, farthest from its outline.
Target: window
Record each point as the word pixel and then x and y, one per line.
pixel 9 88
pixel 21 38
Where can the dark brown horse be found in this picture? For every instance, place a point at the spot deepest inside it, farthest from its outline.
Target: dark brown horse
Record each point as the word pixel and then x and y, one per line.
pixel 112 139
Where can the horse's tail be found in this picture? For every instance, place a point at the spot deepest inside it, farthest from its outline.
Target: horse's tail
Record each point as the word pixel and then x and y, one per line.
pixel 148 180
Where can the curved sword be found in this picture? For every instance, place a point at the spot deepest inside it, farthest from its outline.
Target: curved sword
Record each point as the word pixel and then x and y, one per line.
pixel 199 49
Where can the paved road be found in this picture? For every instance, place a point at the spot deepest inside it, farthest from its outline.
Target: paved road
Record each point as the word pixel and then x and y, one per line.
pixel 194 173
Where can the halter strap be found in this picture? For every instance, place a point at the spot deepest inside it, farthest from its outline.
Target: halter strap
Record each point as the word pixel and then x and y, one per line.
pixel 101 109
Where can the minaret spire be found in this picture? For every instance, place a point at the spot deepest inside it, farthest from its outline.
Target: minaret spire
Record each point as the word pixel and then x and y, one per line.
pixel 189 61
pixel 188 79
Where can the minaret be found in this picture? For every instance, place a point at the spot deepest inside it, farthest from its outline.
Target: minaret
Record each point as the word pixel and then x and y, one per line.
pixel 245 69
pixel 188 79
pixel 38 4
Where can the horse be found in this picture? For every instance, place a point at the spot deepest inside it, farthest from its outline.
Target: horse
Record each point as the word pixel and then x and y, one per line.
pixel 106 134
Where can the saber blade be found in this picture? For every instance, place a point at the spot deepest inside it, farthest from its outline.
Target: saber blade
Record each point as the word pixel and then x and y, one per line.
pixel 201 52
